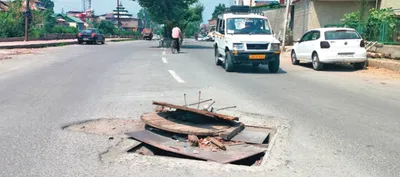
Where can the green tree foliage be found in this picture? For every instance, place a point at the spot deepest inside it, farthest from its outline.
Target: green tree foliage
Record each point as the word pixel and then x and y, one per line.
pixel 145 16
pixel 65 30
pixel 106 27
pixel 192 28
pixel 219 9
pixel 382 23
pixel 12 21
pixel 48 4
pixel 171 13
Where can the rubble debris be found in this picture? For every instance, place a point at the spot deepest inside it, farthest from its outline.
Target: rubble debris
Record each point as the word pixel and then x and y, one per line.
pixel 194 140
pixel 144 150
pixel 218 143
pixel 234 153
pixel 197 111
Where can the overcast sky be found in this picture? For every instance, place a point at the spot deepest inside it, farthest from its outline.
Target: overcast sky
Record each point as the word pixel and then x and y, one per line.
pixel 106 6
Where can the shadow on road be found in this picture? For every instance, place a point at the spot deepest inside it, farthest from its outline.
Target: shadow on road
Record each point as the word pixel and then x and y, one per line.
pixel 192 46
pixel 249 69
pixel 332 67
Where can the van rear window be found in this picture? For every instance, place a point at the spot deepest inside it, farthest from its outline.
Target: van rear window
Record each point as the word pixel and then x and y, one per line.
pixel 341 34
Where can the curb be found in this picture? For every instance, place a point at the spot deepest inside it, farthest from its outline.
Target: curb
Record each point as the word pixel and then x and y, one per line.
pixel 53 44
pixel 38 45
pixel 385 63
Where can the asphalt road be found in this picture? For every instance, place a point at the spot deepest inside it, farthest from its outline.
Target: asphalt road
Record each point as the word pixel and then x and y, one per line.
pixel 337 122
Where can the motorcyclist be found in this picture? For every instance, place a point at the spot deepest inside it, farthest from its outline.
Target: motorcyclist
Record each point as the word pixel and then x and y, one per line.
pixel 177 37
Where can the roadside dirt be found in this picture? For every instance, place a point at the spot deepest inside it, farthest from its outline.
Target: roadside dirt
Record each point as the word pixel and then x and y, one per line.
pixel 106 127
pixel 7 54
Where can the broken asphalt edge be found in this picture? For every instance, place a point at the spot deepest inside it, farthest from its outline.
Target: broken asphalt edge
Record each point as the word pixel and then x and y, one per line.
pixel 269 149
pixel 385 63
pixel 53 44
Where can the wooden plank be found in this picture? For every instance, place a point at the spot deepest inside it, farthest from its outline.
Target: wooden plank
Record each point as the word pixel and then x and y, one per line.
pixel 219 144
pixel 158 120
pixel 197 111
pixel 231 132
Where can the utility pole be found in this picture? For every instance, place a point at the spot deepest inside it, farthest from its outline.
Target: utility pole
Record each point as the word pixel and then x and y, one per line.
pixel 119 30
pixel 27 14
pixel 288 2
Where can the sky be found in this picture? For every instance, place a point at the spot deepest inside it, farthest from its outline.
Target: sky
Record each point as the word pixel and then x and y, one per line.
pixel 106 6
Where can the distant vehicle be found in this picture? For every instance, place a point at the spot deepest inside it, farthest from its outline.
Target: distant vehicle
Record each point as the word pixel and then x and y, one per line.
pixel 147 34
pixel 330 45
pixel 156 37
pixel 245 37
pixel 91 36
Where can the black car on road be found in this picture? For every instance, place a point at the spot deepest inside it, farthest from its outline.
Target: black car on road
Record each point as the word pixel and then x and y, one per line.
pixel 91 36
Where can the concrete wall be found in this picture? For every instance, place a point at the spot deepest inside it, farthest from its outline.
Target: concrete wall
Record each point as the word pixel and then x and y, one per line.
pixel 395 4
pixel 393 50
pixel 301 17
pixel 316 14
pixel 277 19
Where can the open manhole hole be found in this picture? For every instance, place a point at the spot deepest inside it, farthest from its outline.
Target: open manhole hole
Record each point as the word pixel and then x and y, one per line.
pixel 156 142
pixel 188 133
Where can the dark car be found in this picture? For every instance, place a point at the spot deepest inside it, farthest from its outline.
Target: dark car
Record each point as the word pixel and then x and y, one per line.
pixel 91 36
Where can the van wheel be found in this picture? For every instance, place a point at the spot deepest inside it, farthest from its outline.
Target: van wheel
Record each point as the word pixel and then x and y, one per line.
pixel 273 66
pixel 317 65
pixel 228 62
pixel 217 61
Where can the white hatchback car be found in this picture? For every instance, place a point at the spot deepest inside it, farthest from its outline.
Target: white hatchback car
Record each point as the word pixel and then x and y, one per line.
pixel 330 45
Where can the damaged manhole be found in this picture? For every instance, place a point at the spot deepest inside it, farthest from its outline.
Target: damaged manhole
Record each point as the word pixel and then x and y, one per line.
pixel 156 142
pixel 200 134
pixel 187 133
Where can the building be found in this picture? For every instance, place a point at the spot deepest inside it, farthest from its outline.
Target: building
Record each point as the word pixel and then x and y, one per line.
pixel 34 5
pixel 123 13
pixel 310 14
pixel 65 20
pixel 127 22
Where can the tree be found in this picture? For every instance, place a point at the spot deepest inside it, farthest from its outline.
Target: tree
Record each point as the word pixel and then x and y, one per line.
pixel 219 9
pixel 48 4
pixel 106 27
pixel 143 14
pixel 12 21
pixel 170 13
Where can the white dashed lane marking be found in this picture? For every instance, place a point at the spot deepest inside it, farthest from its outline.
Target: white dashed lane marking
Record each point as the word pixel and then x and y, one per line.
pixel 164 60
pixel 175 76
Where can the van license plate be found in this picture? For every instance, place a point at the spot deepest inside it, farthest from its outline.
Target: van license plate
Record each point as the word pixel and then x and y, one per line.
pixel 257 57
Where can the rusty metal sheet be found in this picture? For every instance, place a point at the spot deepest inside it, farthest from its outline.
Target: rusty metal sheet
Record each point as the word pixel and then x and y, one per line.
pixel 197 111
pixel 253 134
pixel 167 121
pixel 233 153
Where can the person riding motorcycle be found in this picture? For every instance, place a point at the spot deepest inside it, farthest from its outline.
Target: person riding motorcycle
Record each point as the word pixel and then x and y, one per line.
pixel 177 37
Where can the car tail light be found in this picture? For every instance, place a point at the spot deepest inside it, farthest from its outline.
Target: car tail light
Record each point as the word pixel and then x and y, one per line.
pixel 93 34
pixel 325 45
pixel 362 43
pixel 79 34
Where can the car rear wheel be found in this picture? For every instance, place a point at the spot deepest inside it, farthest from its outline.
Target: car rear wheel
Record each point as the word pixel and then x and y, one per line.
pixel 294 58
pixel 217 61
pixel 80 42
pixel 103 41
pixel 228 62
pixel 359 66
pixel 317 65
